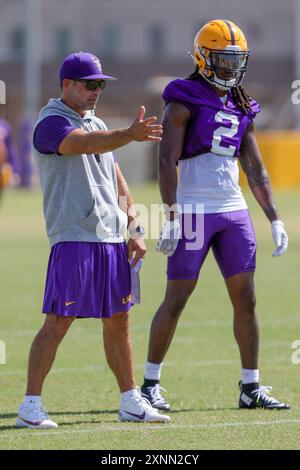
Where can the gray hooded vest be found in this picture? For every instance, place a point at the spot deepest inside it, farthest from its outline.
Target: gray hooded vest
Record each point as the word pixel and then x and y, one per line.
pixel 80 195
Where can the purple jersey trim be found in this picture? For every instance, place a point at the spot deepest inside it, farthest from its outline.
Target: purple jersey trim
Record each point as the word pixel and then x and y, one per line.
pixel 50 133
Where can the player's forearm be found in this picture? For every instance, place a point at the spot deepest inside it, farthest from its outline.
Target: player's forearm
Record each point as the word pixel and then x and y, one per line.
pixel 168 186
pixel 175 119
pixel 257 175
pixel 259 183
pixel 263 195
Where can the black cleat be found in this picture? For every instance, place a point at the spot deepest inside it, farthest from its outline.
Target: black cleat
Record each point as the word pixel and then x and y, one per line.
pixel 259 398
pixel 153 395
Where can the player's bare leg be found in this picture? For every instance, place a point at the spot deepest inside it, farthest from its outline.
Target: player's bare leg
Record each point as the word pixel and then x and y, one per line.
pixel 162 331
pixel 165 320
pixel 245 325
pixel 242 294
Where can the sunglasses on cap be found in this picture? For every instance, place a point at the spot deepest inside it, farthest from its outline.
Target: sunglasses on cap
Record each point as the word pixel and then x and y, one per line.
pixel 92 85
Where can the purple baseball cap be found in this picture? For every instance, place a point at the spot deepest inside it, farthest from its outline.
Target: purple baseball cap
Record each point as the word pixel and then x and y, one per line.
pixel 82 65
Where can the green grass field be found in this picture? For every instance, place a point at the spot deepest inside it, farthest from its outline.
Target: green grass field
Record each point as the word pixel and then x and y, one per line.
pixel 201 369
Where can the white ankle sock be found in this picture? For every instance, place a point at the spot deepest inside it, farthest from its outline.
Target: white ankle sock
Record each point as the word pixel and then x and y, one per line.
pixel 250 376
pixel 152 371
pixel 32 400
pixel 129 394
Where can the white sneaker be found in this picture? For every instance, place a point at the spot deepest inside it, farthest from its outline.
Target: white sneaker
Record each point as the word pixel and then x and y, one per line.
pixel 138 409
pixel 34 417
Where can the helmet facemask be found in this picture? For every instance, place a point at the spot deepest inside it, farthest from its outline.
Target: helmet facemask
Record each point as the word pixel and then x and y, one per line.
pixel 222 68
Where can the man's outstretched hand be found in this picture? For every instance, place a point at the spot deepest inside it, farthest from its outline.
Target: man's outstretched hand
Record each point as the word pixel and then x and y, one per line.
pixel 143 130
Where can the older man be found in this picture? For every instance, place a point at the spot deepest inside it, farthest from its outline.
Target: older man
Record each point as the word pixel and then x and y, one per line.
pixel 89 272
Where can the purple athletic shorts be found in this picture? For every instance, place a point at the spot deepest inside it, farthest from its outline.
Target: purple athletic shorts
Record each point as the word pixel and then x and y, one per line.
pixel 231 237
pixel 87 280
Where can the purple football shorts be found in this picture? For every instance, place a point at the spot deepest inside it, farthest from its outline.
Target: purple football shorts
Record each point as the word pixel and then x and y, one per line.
pixel 87 280
pixel 230 235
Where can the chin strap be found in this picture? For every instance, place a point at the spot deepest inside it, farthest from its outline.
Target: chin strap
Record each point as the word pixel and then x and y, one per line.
pixel 221 84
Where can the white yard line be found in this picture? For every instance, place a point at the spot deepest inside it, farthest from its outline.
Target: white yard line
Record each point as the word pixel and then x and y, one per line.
pixel 98 368
pixel 184 324
pixel 120 427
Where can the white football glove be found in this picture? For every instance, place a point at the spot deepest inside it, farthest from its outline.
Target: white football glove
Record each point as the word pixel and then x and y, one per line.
pixel 280 237
pixel 169 237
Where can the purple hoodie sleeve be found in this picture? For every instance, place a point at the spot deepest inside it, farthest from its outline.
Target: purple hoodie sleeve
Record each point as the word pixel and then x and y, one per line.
pixel 50 133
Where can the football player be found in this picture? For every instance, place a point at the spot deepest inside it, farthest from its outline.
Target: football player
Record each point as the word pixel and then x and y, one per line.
pixel 208 126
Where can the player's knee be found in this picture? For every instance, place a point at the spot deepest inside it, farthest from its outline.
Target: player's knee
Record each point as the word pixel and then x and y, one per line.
pixel 176 304
pixel 252 301
pixel 249 298
pixel 247 301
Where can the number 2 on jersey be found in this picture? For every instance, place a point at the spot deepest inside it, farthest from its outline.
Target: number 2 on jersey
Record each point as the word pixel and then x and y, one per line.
pixel 224 132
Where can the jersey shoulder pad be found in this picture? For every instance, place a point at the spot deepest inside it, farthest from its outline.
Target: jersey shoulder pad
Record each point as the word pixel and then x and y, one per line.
pixel 186 91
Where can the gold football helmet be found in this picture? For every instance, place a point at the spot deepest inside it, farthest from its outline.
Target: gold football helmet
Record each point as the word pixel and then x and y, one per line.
pixel 221 53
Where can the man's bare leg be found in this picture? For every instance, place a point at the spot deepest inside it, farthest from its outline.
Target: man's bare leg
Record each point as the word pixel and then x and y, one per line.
pixel 43 351
pixel 31 413
pixel 118 349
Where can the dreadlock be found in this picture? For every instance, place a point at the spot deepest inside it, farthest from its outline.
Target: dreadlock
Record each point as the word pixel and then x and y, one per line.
pixel 239 95
pixel 241 99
